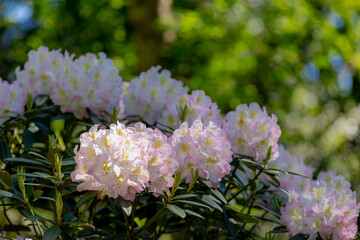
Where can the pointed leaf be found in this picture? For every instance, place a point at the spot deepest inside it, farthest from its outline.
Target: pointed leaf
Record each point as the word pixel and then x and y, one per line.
pixel 176 210
pixel 52 233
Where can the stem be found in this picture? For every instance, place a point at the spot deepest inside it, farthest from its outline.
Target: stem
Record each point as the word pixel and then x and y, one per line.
pixel 246 186
pixel 37 223
pixel 133 210
pixel 6 216
pixel 153 219
pixel 85 210
pixel 232 177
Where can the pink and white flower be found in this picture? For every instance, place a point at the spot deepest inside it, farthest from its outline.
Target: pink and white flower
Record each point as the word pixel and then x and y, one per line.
pixel 122 161
pixel 251 131
pixel 202 147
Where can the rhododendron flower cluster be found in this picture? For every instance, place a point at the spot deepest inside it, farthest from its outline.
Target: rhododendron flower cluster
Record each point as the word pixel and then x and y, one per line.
pixel 86 82
pixel 12 99
pixel 287 162
pixel 251 131
pixel 149 94
pixel 326 207
pixel 122 161
pixel 203 147
pixel 199 106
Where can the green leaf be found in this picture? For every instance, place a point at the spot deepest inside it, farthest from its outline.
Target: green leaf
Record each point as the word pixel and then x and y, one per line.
pixel 37 194
pixel 24 160
pixel 52 233
pixel 4 150
pixel 299 237
pixel 5 177
pixel 43 128
pixel 28 140
pixel 40 100
pixel 245 218
pixel 231 227
pixel 205 199
pixel 176 210
pixel 193 203
pixel 86 197
pixel 188 211
pixel 4 193
pixel 218 194
pixel 175 229
pixel 93 118
pixel 183 196
pixel 268 156
pixel 29 102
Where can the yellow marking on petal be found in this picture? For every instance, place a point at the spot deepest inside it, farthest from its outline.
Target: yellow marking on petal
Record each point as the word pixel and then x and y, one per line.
pixel 198 99
pixel 338 185
pixel 182 100
pixel 294 213
pixel 91 152
pixel 67 71
pixel 328 179
pixel 153 160
pixel 41 57
pixel 327 210
pixel 132 96
pixel 263 127
pixel 170 92
pixel 125 156
pixel 184 147
pixel 348 212
pixel 97 76
pixel 55 63
pixel 153 93
pixel 107 141
pixel 87 66
pixel 84 169
pixel 240 123
pixel 191 111
pixel 240 141
pixel 342 199
pixel 253 114
pixel 208 141
pixel 170 119
pixel 211 160
pixel 163 80
pixel 318 193
pixel 136 170
pixel 190 165
pixel 92 134
pixel 32 72
pixel 157 144
pixel 125 89
pixel 242 114
pixel 264 142
pixel 120 178
pixel 105 166
pixel 74 81
pixel 44 77
pixel 168 161
pixel 183 132
pixel 119 131
pixel 127 142
pixel 143 83
pixel 13 95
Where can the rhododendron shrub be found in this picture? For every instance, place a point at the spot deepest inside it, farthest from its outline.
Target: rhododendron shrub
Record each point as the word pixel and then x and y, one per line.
pixel 85 155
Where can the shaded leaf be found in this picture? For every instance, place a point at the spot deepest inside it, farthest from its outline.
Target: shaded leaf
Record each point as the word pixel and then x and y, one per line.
pixel 193 213
pixel 28 140
pixel 52 233
pixel 86 197
pixel 176 210
pixel 4 150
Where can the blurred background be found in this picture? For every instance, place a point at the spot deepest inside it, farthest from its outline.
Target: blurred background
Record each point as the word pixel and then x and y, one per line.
pixel 299 58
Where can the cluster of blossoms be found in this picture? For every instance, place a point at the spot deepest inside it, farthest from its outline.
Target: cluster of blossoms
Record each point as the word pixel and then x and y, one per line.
pixel 251 131
pixel 287 162
pixel 149 94
pixel 326 207
pixel 12 99
pixel 203 147
pixel 86 82
pixel 199 106
pixel 123 161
